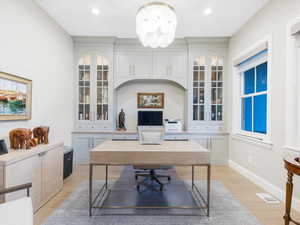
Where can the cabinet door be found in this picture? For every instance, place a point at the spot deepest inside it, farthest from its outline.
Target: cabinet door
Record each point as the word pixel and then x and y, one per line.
pixel 18 173
pixel 219 151
pixel 134 63
pixel 81 146
pixel 161 64
pixel 52 171
pixel 36 192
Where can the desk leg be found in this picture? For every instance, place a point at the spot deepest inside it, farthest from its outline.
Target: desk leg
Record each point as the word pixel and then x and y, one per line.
pixel 106 174
pixel 91 189
pixel 288 201
pixel 192 177
pixel 208 188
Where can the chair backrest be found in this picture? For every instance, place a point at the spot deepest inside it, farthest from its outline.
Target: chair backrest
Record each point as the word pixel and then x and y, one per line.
pixel 151 135
pixel 17 212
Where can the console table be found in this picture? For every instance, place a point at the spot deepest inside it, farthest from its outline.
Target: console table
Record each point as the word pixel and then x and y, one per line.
pixel 293 167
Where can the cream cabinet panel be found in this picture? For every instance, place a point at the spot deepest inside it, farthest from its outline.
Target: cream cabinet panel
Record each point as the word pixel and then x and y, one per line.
pixel 17 174
pixel 37 189
pixel 52 172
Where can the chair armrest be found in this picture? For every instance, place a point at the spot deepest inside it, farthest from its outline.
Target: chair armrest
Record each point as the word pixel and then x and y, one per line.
pixel 16 188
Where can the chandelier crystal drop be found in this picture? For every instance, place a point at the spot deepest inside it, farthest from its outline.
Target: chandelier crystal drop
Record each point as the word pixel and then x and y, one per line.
pixel 156 24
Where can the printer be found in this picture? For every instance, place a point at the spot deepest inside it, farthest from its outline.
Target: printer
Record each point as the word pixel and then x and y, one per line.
pixel 173 126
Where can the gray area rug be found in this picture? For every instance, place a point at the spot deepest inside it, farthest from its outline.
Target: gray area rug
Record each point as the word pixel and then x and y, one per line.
pixel 225 209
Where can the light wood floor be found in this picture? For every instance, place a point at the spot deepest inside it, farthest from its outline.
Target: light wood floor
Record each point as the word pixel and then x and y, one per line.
pixel 243 189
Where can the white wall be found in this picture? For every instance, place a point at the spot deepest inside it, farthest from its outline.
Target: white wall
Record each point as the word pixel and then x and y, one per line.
pixel 127 100
pixel 34 46
pixel 261 160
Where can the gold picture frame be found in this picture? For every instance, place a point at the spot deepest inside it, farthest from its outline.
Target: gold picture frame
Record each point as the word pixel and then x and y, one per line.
pixel 151 100
pixel 15 97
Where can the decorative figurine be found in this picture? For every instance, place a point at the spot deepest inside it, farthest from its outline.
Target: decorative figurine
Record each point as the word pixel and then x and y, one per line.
pixel 122 121
pixel 20 138
pixel 41 133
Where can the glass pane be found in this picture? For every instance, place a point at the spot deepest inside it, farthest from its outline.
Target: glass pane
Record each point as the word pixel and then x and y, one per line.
pixel 219 96
pixel 213 112
pixel 201 112
pixel 249 81
pixel 87 75
pixel 87 96
pixel 81 67
pixel 87 112
pixel 202 67
pixel 105 68
pixel 220 67
pixel 99 95
pixel 214 75
pixel 99 83
pixel 247 114
pixel 219 113
pixel 99 112
pixel 87 83
pixel 220 76
pixel 214 84
pixel 99 67
pixel 105 96
pixel 196 68
pixel 105 112
pixel 196 78
pixel 201 95
pixel 195 112
pixel 213 68
pixel 81 83
pixel 201 84
pixel 195 95
pixel 81 90
pixel 261 77
pixel 195 84
pixel 105 84
pixel 81 74
pixel 99 75
pixel 87 67
pixel 202 75
pixel 260 113
pixel 220 84
pixel 214 96
pixel 105 75
pixel 80 112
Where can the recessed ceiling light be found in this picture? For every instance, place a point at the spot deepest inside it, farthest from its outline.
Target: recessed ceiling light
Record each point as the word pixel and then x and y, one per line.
pixel 207 11
pixel 95 11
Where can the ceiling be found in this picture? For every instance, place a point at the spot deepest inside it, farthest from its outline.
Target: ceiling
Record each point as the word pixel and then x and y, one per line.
pixel 117 17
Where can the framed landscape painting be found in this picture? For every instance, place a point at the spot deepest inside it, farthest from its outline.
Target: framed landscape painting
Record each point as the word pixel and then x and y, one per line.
pixel 15 97
pixel 150 100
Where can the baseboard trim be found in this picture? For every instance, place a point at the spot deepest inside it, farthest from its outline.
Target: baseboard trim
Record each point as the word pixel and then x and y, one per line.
pixel 264 184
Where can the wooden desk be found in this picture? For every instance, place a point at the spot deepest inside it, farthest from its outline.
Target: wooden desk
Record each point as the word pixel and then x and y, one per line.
pixel 175 153
pixel 292 165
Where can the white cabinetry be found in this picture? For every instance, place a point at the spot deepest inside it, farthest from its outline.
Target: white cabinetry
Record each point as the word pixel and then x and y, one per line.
pixel 134 64
pixel 42 166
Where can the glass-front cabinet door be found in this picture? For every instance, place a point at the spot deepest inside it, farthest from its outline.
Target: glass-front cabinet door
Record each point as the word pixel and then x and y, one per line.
pixel 84 88
pixel 93 91
pixel 207 82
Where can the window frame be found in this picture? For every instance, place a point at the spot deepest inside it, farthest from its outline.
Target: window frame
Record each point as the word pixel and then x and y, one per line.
pixel 236 87
pixel 253 64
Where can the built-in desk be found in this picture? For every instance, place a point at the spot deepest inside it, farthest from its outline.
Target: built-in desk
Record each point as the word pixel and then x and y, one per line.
pixel 84 140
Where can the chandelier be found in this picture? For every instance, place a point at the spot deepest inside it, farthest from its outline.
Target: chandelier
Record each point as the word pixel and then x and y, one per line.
pixel 156 24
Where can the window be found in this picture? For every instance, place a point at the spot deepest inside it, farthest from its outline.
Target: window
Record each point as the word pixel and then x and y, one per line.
pixel 254 92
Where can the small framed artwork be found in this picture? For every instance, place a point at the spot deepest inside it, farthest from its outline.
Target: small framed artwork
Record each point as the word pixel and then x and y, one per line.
pixel 15 97
pixel 150 100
